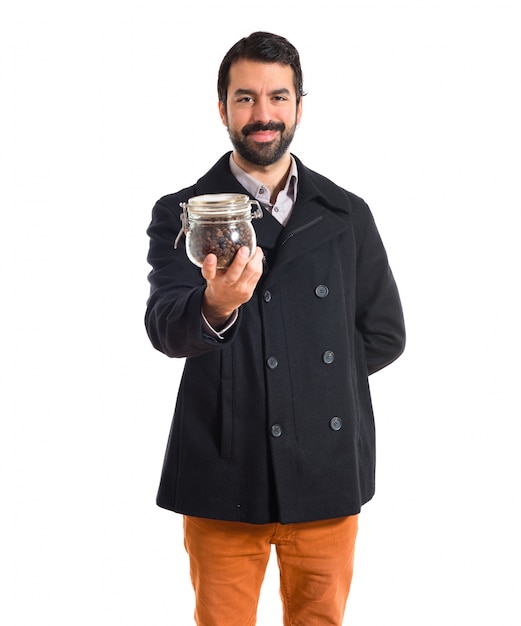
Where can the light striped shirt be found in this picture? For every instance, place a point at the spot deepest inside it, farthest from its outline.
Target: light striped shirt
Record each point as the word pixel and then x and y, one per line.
pixel 283 205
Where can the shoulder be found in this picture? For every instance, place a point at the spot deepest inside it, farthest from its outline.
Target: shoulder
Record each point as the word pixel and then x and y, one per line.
pixel 171 201
pixel 335 197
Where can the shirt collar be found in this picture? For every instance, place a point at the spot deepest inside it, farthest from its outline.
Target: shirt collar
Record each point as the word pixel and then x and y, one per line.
pixel 261 193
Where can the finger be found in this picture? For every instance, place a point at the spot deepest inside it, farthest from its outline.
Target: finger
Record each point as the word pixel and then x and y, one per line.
pixel 250 275
pixel 254 268
pixel 209 268
pixel 236 267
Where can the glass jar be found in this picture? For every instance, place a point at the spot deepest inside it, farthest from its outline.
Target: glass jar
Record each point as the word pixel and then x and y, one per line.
pixel 219 224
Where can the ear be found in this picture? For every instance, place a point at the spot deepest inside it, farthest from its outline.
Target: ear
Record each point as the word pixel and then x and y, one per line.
pixel 299 111
pixel 222 113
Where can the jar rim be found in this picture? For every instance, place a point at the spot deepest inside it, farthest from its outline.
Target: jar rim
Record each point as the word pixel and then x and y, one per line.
pixel 220 201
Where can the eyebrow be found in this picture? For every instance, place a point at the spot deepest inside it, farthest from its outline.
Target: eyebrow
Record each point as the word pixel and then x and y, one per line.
pixel 274 92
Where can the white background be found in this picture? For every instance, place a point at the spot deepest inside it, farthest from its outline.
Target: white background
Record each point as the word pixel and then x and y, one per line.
pixel 109 104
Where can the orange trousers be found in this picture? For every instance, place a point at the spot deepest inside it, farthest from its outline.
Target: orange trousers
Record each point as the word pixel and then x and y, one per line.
pixel 228 561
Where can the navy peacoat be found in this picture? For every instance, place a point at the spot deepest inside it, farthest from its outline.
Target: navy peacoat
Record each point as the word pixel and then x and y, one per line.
pixel 274 422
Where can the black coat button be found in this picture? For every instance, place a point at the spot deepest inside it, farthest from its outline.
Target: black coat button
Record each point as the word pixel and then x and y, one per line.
pixel 276 430
pixel 321 291
pixel 267 296
pixel 272 362
pixel 335 423
pixel 328 357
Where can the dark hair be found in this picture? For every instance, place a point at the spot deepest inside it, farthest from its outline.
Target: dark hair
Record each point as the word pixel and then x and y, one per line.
pixel 266 48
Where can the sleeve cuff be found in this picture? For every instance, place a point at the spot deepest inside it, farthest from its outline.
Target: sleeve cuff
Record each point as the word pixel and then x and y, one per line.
pixel 220 334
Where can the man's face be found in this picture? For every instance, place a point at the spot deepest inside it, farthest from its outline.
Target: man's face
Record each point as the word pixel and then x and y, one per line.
pixel 261 113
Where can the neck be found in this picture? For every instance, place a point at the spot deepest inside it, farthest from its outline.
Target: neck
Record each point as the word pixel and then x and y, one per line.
pixel 271 176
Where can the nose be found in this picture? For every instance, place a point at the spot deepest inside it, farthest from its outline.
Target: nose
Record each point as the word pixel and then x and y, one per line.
pixel 261 112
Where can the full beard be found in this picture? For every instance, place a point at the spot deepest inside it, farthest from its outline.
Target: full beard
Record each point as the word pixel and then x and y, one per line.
pixel 262 153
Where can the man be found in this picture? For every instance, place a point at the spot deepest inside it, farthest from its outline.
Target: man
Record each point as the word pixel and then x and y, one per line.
pixel 272 440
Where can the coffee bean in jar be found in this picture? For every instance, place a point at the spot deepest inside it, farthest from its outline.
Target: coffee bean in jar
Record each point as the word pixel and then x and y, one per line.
pixel 218 224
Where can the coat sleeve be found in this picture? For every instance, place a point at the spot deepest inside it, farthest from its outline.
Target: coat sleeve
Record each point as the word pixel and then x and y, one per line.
pixel 379 315
pixel 173 314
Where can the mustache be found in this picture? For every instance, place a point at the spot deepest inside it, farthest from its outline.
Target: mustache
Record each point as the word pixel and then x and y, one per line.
pixel 257 127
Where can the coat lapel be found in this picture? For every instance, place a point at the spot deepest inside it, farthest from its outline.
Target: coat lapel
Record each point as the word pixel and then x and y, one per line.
pixel 319 214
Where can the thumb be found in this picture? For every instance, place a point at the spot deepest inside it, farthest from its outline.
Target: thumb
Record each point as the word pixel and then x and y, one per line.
pixel 209 267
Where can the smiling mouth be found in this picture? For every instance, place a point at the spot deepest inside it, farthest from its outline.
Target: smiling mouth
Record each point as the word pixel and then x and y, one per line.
pixel 263 136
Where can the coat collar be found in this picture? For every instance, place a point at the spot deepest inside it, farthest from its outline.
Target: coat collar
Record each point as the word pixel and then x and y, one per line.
pixel 311 185
pixel 319 214
pixel 219 179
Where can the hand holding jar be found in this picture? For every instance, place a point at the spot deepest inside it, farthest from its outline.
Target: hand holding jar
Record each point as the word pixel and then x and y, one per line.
pixel 227 290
